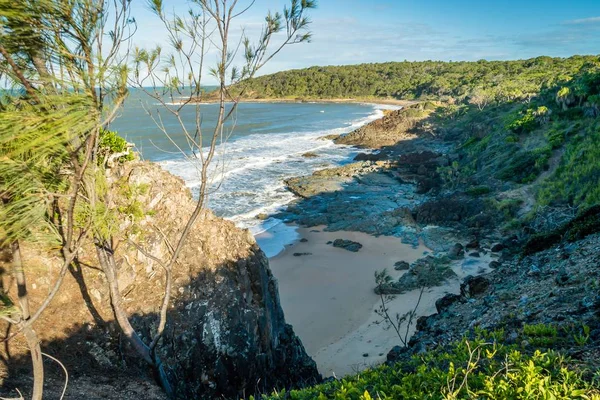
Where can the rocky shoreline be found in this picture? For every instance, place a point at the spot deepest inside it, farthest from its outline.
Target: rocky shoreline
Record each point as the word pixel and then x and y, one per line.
pixel 395 188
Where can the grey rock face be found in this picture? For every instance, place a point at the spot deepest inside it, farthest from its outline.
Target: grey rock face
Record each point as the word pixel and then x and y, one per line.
pixel 233 334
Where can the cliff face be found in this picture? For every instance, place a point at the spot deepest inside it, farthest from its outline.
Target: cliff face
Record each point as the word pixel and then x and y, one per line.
pixel 226 333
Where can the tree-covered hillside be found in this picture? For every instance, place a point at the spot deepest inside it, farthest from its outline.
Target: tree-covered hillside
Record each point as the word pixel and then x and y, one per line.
pixel 508 80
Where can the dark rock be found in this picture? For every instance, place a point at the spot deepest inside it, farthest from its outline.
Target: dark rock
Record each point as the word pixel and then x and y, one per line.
pixel 396 353
pixel 472 245
pixel 365 355
pixel 562 278
pixel 330 242
pixel 401 266
pixel 310 155
pixel 474 254
pixel 534 270
pixel 303 240
pixel 474 286
pixel 446 301
pixel 347 244
pixel 456 252
pixel 302 254
pixel 453 210
pixel 495 264
pixel 497 247
pixel 423 323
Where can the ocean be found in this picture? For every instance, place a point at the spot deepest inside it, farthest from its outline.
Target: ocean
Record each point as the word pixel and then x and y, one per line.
pixel 265 145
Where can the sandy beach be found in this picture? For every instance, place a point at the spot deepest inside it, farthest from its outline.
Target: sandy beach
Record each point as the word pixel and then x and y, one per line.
pixel 327 295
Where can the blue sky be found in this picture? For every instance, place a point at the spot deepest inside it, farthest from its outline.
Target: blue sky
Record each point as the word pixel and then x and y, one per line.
pixel 355 31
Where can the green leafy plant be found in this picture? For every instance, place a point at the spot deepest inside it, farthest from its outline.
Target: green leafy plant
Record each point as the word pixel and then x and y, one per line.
pixel 466 370
pixel 110 143
pixel 525 123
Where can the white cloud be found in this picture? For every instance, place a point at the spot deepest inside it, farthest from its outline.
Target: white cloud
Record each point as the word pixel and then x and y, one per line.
pixel 583 21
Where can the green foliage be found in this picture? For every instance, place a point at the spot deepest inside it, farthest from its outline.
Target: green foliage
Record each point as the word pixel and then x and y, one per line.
pixel 109 143
pixel 483 81
pixel 579 334
pixel 454 174
pixel 469 369
pixel 525 123
pixel 556 137
pixel 35 144
pixel 525 166
pixel 541 335
pixel 576 179
pixel 478 190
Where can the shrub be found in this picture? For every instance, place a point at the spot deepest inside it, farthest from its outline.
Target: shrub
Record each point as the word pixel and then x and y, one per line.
pixel 525 166
pixel 111 143
pixel 527 122
pixel 475 370
pixel 478 190
pixel 556 138
pixel 575 181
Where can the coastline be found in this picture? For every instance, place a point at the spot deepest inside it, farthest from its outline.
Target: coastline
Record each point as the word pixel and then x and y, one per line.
pixel 375 101
pixel 327 295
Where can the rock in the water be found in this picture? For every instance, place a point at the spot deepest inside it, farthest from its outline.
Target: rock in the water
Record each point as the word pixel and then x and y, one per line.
pixel 497 247
pixel 310 155
pixel 446 301
pixel 456 252
pixel 495 264
pixel 302 254
pixel 347 244
pixel 474 286
pixel 475 254
pixel 401 266
pixel 303 240
pixel 262 216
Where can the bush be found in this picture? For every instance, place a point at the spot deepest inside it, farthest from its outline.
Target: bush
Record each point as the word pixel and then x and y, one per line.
pixel 474 370
pixel 523 124
pixel 525 167
pixel 478 190
pixel 111 143
pixel 576 180
pixel 556 138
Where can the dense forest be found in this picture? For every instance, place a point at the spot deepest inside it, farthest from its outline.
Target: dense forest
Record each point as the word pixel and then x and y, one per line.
pixel 508 80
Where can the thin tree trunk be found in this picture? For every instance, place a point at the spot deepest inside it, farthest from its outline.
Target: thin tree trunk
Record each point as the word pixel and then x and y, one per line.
pixel 30 335
pixel 108 266
pixel 107 262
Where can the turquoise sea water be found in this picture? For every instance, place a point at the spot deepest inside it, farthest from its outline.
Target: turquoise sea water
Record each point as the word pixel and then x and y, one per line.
pixel 264 148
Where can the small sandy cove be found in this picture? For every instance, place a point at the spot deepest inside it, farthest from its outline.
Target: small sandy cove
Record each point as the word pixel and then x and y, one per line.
pixel 327 295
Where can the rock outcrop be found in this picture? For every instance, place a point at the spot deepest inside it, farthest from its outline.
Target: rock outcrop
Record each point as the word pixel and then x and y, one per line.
pixel 389 130
pixel 226 334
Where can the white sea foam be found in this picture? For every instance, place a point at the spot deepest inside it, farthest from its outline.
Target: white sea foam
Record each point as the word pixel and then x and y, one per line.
pixel 248 173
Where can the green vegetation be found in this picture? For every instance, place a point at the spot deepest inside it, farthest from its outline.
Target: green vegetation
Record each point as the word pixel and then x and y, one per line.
pixel 478 369
pixel 480 82
pixel 109 143
pixel 517 119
